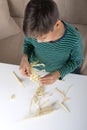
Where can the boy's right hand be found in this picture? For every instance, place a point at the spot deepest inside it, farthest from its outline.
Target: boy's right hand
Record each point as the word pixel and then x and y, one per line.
pixel 24 66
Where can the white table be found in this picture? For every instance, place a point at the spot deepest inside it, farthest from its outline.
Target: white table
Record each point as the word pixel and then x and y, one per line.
pixel 12 113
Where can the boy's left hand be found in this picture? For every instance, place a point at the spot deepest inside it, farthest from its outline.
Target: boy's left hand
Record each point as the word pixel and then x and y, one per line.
pixel 50 78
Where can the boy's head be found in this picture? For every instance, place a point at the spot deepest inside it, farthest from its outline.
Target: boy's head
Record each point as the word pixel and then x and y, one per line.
pixel 40 18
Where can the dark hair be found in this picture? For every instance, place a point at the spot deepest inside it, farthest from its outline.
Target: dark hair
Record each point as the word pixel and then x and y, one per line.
pixel 40 17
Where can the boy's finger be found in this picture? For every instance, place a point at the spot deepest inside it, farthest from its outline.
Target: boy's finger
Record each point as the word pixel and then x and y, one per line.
pixel 46 83
pixel 28 71
pixel 23 72
pixel 44 79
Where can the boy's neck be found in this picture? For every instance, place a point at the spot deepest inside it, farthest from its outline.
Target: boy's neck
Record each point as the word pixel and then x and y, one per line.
pixel 58 32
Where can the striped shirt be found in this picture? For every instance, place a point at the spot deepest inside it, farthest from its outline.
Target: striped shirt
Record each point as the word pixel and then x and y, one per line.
pixel 64 54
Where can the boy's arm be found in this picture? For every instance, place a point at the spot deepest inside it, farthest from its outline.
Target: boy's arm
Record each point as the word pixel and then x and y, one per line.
pixel 24 64
pixel 28 47
pixel 75 60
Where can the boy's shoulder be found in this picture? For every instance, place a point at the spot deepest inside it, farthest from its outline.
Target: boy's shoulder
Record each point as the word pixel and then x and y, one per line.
pixel 72 31
pixel 28 39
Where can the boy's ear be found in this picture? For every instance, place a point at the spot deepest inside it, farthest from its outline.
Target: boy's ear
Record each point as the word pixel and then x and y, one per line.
pixel 58 23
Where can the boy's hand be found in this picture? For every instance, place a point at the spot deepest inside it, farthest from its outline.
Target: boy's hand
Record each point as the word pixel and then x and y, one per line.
pixel 24 66
pixel 50 78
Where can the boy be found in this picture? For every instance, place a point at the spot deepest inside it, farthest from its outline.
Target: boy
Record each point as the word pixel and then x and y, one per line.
pixel 50 41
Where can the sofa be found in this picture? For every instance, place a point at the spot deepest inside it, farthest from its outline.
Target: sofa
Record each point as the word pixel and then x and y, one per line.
pixel 11 21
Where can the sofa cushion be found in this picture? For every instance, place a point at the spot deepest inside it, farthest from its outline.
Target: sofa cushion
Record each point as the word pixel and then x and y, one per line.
pixel 8 27
pixel 11 49
pixel 73 11
pixel 83 31
pixel 76 11
pixel 15 10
